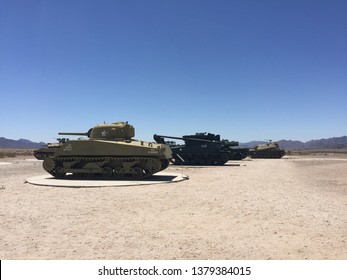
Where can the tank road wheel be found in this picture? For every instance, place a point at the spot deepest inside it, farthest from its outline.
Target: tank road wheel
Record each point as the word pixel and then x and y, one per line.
pixel 107 172
pixel 138 172
pixel 59 173
pixel 119 173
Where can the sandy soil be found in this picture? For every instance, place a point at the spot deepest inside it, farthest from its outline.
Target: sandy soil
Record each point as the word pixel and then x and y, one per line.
pixel 292 208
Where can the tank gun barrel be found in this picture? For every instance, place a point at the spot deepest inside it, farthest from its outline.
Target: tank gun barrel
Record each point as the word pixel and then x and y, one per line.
pixel 160 139
pixel 74 133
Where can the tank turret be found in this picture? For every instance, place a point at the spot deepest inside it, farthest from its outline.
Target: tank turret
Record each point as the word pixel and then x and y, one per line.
pixel 109 152
pixel 114 131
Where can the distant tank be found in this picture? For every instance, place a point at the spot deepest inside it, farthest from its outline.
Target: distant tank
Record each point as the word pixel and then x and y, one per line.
pixel 49 149
pixel 268 150
pixel 235 153
pixel 198 149
pixel 108 153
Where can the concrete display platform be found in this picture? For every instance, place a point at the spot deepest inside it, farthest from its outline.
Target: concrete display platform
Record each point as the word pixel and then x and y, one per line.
pixel 159 178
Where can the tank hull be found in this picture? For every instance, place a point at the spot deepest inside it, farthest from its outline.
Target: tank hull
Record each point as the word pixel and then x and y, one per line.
pixel 267 154
pixel 103 159
pixel 43 153
pixel 204 154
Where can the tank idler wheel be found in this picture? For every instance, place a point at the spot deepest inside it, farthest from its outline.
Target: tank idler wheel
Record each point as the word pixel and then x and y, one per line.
pixel 138 173
pixel 154 165
pixel 49 164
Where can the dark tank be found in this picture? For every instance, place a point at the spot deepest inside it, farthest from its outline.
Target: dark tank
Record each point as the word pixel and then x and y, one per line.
pixel 49 149
pixel 109 152
pixel 198 149
pixel 268 150
pixel 235 152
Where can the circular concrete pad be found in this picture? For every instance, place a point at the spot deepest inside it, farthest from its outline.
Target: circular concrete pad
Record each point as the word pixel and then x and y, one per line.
pixel 159 178
pixel 5 163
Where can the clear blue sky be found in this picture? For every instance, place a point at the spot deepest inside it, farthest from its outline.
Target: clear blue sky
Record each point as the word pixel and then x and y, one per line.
pixel 248 70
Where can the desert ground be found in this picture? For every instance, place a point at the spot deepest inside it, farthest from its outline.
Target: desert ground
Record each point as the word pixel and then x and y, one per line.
pixel 289 208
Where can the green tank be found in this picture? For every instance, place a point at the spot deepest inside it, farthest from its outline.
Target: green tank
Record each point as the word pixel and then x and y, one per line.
pixel 268 150
pixel 49 149
pixel 109 152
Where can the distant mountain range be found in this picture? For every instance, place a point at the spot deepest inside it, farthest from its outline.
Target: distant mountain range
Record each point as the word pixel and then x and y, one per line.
pixel 330 143
pixel 321 144
pixel 19 144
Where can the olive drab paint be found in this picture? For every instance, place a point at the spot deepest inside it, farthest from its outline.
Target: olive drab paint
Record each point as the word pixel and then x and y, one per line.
pixel 109 152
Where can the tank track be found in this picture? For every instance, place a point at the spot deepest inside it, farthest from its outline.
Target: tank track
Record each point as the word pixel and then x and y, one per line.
pixel 201 159
pixel 268 154
pixel 104 168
